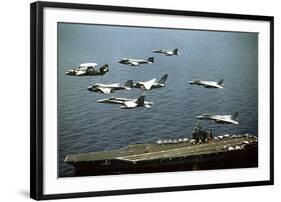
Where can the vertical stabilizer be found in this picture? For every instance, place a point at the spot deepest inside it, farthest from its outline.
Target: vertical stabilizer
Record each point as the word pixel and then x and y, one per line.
pixel 235 116
pixel 150 59
pixel 176 51
pixel 129 84
pixel 163 80
pixel 140 100
pixel 220 82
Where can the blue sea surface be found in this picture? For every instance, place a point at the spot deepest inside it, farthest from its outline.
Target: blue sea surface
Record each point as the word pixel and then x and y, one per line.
pixel 87 126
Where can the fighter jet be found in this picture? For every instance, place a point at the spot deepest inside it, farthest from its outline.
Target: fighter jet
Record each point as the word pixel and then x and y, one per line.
pixel 109 88
pixel 221 119
pixel 88 69
pixel 208 84
pixel 153 83
pixel 127 103
pixel 136 62
pixel 167 52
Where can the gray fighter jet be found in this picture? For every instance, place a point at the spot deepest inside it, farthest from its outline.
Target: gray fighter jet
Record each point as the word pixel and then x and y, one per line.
pixel 221 119
pixel 153 83
pixel 167 52
pixel 109 88
pixel 136 62
pixel 88 69
pixel 127 103
pixel 208 84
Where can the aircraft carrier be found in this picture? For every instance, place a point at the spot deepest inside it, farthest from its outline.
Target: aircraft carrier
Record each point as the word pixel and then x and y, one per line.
pixel 201 152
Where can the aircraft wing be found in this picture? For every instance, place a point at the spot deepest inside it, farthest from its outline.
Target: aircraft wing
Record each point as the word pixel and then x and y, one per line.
pixel 158 51
pixel 234 122
pixel 225 120
pixel 148 84
pixel 230 121
pixel 210 84
pixel 105 90
pixel 134 63
pixel 130 104
pixel 79 73
pixel 169 53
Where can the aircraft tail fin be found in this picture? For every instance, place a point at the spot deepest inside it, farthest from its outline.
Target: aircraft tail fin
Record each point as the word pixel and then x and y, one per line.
pixel 163 80
pixel 176 51
pixel 235 116
pixel 140 100
pixel 104 69
pixel 129 84
pixel 220 82
pixel 151 59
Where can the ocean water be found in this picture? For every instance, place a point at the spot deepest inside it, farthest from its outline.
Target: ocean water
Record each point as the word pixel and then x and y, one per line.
pixel 87 126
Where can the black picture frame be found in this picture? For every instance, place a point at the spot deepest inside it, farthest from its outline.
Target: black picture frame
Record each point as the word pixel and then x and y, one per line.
pixel 37 99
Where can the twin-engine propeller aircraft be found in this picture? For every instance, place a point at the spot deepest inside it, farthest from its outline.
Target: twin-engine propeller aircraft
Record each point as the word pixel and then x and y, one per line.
pixel 109 88
pixel 167 52
pixel 221 119
pixel 127 103
pixel 208 84
pixel 136 62
pixel 88 69
pixel 153 83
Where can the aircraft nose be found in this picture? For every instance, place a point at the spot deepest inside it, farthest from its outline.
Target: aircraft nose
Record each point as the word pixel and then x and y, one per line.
pixel 90 88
